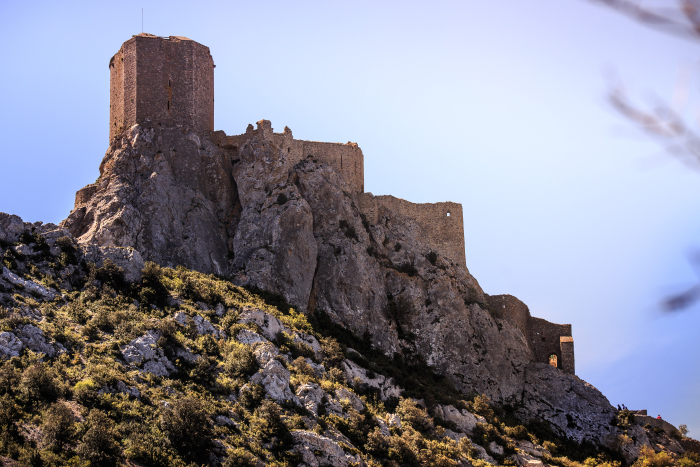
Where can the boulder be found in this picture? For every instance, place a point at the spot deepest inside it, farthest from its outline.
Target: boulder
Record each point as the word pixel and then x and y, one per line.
pixel 10 345
pixel 274 377
pixel 343 394
pixel 11 227
pixel 387 388
pixel 144 351
pixel 28 286
pixel 464 420
pixel 127 258
pixel 34 339
pixel 246 336
pixel 269 325
pixel 310 395
pixel 317 450
pixel 264 352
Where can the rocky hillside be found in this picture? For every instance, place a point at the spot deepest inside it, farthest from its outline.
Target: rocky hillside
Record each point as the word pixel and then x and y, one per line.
pixel 107 360
pixel 243 209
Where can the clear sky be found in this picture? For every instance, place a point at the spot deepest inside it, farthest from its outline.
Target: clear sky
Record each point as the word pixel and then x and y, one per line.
pixel 498 105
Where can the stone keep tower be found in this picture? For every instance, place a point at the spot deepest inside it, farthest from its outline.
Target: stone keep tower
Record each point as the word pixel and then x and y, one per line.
pixel 167 80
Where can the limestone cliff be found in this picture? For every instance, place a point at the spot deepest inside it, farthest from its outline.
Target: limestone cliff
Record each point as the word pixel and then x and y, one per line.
pixel 245 208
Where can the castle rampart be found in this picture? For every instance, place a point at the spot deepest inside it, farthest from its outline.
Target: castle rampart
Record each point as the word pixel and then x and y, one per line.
pixel 345 158
pixel 441 222
pixel 168 81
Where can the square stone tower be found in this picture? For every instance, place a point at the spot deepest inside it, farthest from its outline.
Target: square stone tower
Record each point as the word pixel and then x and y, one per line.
pixel 167 80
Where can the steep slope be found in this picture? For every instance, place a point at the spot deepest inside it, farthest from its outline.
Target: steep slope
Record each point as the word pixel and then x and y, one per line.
pixel 174 366
pixel 243 207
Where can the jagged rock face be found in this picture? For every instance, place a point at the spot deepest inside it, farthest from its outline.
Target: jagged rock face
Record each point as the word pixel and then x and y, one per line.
pixel 432 310
pixel 274 246
pixel 296 229
pixel 574 409
pixel 176 207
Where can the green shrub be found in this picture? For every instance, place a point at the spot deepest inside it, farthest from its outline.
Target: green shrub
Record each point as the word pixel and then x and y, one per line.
pixel 240 361
pixel 146 445
pixel 266 425
pixel 85 392
pixel 414 416
pixel 58 427
pixel 186 427
pixel 98 444
pixel 153 291
pixel 251 395
pixel 109 274
pixel 239 457
pixel 481 405
pixel 39 383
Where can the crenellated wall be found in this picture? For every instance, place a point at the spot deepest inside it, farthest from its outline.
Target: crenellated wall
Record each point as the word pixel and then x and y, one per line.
pixel 346 158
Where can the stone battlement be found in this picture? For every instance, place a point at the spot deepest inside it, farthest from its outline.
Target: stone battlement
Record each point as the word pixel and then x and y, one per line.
pixel 345 158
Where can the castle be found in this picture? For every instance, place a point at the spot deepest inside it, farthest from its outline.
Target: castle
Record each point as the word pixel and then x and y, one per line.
pixel 168 83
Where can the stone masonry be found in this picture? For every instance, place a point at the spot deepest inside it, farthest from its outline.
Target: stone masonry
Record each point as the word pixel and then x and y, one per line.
pixel 166 80
pixel 544 338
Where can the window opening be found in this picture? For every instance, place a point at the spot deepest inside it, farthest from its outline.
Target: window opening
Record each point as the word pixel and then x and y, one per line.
pixel 448 214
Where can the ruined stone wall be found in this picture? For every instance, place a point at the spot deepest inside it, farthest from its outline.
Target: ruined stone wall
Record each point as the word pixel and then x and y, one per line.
pixel 345 158
pixel 549 338
pixel 441 222
pixel 567 354
pixel 509 308
pixel 167 81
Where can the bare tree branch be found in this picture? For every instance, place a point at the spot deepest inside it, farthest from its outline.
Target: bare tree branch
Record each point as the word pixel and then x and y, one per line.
pixel 683 21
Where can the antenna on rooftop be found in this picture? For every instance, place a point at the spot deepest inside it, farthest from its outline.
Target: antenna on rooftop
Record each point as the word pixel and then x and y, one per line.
pixel 141 19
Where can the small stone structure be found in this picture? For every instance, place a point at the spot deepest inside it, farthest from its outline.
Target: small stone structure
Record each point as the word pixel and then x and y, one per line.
pixel 544 338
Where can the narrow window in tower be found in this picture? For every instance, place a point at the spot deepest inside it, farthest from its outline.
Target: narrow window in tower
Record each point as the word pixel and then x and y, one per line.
pixel 168 105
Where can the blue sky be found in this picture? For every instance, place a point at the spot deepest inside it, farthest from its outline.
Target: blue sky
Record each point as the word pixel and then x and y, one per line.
pixel 497 105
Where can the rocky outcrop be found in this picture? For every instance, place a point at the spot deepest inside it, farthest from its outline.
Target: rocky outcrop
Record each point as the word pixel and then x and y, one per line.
pixel 144 352
pixel 175 204
pixel 10 346
pixel 317 450
pixel 34 339
pixel 242 206
pixel 274 377
pixel 575 409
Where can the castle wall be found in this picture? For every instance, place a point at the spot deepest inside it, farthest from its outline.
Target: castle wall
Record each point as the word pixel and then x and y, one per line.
pixel 549 338
pixel 509 308
pixel 345 158
pixel 441 222
pixel 168 81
